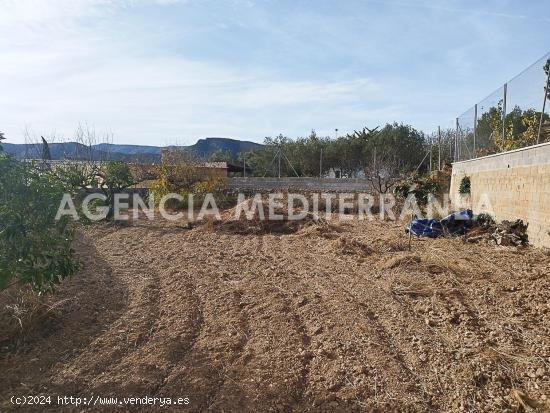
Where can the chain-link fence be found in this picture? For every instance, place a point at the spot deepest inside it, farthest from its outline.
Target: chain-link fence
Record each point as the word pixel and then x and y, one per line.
pixel 513 116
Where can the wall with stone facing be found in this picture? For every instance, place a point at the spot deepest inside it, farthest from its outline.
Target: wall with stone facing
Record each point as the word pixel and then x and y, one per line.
pixel 300 184
pixel 513 184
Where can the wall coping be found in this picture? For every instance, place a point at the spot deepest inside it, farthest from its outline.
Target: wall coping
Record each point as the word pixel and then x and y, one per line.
pixel 503 153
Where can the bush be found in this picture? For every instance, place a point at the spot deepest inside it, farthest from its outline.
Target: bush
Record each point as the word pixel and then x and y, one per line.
pixel 420 187
pixel 35 248
pixel 183 174
pixel 465 185
pixel 111 178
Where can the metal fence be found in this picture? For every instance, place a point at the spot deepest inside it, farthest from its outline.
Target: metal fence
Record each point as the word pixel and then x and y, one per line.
pixel 513 116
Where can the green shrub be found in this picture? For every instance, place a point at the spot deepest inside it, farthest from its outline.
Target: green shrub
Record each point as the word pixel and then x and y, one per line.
pixel 35 248
pixel 421 187
pixel 465 185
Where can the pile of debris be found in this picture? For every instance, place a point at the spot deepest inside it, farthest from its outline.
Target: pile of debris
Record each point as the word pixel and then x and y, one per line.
pixel 474 228
pixel 261 220
pixel 458 223
pixel 507 233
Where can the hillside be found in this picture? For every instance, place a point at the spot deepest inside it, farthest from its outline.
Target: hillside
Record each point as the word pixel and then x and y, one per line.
pixel 73 150
pixel 205 147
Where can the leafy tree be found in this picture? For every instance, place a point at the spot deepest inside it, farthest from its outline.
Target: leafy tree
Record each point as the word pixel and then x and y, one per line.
pixel 1 139
pixel 110 178
pixel 521 129
pixel 401 145
pixel 35 248
pixel 521 126
pixel 115 176
pixel 264 161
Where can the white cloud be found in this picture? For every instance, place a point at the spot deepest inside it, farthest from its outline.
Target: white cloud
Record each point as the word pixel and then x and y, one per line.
pixel 56 72
pixel 138 68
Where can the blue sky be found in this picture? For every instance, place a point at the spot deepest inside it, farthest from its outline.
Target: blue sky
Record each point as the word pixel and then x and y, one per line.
pixel 160 72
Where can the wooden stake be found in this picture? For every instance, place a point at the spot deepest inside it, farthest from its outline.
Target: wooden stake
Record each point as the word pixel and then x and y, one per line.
pixel 410 231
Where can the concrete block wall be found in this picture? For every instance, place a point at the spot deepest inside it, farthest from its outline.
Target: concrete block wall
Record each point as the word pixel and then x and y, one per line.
pixel 514 184
pixel 300 184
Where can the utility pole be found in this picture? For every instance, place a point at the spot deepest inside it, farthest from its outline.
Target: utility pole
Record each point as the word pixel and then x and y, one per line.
pixel 450 144
pixel 504 114
pixel 244 167
pixel 475 128
pixel 546 92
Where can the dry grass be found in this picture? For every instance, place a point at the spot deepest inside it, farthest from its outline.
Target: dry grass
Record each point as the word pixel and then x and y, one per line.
pixel 237 221
pixel 353 246
pixel 407 260
pixel 23 314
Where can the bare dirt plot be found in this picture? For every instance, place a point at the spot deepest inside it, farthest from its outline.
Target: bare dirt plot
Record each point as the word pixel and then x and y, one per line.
pixel 325 319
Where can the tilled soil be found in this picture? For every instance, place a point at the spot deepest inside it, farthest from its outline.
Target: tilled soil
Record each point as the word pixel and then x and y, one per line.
pixel 326 319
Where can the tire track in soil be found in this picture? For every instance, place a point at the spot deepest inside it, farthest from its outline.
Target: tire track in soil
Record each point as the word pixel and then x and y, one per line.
pixel 306 348
pixel 184 353
pixel 328 284
pixel 200 371
pixel 300 290
pixel 446 349
pixel 306 319
pixel 384 345
pixel 464 296
pixel 172 327
pixel 384 325
pixel 391 344
pixel 179 319
pixel 216 395
pixel 103 363
pixel 233 388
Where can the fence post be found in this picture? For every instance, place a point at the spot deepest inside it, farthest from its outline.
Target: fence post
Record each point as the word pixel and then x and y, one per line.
pixel 439 148
pixel 504 114
pixel 279 162
pixel 431 150
pixel 546 92
pixel 450 144
pixel 457 154
pixel 321 164
pixel 475 129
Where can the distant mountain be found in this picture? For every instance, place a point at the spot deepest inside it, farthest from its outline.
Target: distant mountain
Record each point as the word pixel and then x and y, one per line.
pixel 141 153
pixel 129 149
pixel 206 147
pixel 66 150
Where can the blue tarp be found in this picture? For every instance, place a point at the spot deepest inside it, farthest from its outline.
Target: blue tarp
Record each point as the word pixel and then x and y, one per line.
pixel 455 224
pixel 424 227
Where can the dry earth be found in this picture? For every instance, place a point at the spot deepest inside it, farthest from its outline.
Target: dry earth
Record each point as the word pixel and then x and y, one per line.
pixel 325 319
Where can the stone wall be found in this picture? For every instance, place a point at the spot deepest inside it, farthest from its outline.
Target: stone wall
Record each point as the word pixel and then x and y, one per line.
pixel 513 185
pixel 300 184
